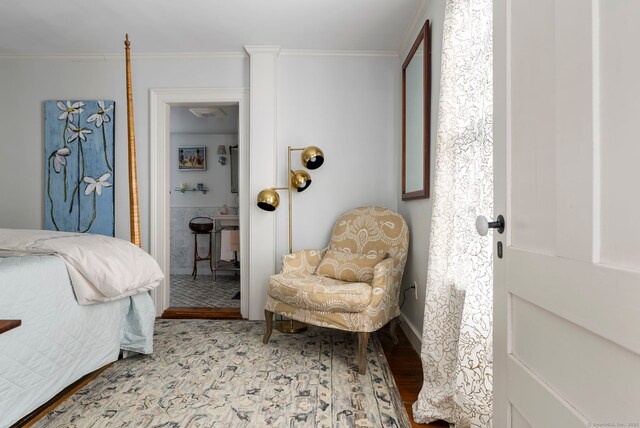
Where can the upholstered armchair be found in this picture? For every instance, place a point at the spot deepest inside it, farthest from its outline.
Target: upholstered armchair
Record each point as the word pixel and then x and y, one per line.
pixel 352 285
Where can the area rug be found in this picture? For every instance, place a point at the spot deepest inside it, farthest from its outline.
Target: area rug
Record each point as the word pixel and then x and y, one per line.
pixel 217 373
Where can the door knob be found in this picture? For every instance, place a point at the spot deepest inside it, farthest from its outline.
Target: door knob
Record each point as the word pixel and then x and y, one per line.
pixel 483 225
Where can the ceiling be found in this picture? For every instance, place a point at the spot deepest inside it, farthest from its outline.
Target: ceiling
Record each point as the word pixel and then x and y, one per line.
pixel 184 122
pixel 202 26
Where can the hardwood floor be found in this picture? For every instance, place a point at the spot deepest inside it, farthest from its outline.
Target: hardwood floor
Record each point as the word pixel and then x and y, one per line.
pixel 406 367
pixel 202 313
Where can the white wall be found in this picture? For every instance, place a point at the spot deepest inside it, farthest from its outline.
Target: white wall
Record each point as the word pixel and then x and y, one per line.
pixel 620 63
pixel 185 206
pixel 217 177
pixel 26 83
pixel 349 107
pixel 417 212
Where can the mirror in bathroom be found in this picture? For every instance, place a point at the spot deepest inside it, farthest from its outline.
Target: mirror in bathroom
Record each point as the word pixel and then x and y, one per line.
pixel 415 118
pixel 233 161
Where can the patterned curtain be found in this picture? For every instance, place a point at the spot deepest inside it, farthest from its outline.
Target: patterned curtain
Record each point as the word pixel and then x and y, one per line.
pixel 457 336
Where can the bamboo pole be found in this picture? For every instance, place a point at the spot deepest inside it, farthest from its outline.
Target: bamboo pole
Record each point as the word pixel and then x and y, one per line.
pixel 134 212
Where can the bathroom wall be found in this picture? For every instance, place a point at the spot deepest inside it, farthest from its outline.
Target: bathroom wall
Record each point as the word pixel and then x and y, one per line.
pixel 217 178
pixel 181 241
pixel 189 131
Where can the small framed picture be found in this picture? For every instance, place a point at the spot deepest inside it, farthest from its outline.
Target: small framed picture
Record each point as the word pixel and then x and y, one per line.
pixel 192 158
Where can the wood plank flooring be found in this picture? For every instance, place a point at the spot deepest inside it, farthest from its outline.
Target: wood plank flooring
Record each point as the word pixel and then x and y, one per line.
pixel 406 367
pixel 202 313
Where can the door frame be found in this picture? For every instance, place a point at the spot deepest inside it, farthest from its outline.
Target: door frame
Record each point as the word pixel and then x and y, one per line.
pixel 160 102
pixel 501 193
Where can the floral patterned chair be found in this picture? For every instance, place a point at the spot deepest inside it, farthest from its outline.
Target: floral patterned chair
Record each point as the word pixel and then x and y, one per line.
pixel 352 285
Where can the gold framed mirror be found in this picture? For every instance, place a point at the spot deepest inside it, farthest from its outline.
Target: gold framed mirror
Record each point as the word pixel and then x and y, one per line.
pixel 416 77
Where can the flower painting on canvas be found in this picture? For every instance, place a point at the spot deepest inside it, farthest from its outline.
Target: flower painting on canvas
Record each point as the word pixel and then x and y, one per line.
pixel 78 166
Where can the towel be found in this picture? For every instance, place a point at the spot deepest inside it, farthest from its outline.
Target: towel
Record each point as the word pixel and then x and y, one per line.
pixel 229 244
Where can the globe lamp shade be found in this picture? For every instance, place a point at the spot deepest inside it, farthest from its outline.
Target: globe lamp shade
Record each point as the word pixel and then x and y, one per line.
pixel 312 157
pixel 300 180
pixel 268 200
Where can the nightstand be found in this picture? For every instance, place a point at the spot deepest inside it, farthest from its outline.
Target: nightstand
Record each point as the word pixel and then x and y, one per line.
pixel 6 325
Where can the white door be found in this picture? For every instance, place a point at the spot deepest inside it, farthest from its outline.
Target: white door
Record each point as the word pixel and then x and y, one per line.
pixel 567 180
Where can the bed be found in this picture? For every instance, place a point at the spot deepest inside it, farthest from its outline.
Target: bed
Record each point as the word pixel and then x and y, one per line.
pixel 82 299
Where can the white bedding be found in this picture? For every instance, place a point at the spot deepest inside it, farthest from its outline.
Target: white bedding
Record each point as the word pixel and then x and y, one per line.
pixel 101 268
pixel 59 341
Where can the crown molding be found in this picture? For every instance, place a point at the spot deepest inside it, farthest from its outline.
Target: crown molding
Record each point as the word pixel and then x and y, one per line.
pixel 340 53
pixel 203 55
pixel 253 49
pixel 120 56
pixel 412 31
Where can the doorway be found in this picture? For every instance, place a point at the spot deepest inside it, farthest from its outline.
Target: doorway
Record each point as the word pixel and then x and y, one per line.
pixel 204 217
pixel 173 191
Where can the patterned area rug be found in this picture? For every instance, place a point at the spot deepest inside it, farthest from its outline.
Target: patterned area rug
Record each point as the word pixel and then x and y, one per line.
pixel 207 373
pixel 204 292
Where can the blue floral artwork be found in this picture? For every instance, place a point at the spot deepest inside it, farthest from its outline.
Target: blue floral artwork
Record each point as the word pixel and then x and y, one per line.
pixel 78 142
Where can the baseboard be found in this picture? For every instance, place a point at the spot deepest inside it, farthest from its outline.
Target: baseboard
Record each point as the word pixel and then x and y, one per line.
pixel 412 333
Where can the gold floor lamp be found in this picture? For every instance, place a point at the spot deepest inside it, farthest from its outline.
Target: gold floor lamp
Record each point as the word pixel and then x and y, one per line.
pixel 269 199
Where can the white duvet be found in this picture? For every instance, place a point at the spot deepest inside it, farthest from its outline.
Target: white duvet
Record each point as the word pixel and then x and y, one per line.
pixel 101 268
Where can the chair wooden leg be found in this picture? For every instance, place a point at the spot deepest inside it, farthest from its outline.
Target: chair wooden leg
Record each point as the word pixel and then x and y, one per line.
pixel 393 325
pixel 363 338
pixel 268 315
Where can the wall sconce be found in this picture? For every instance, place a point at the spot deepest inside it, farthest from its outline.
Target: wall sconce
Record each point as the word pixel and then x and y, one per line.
pixel 222 154
pixel 269 199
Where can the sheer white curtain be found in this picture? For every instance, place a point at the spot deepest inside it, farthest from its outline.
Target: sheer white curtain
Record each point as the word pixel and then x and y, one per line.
pixel 457 335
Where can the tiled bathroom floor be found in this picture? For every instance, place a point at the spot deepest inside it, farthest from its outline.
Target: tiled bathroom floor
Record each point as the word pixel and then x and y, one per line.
pixel 204 292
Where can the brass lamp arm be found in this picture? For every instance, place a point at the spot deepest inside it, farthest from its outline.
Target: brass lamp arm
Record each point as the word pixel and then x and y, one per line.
pixel 269 199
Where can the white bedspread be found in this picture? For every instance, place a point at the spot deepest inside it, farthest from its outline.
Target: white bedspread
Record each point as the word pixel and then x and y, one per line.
pixel 59 341
pixel 101 268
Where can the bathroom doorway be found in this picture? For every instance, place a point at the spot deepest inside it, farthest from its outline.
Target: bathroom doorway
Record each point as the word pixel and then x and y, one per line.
pixel 204 236
pixel 160 103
